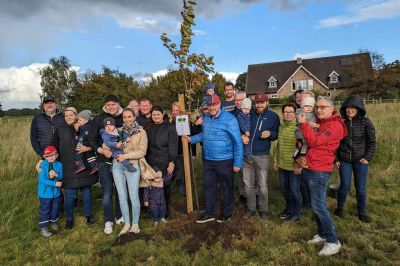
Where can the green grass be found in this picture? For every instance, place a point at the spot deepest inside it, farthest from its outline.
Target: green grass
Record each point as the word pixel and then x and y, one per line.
pixel 276 244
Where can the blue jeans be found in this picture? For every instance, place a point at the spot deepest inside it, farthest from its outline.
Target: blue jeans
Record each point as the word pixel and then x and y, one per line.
pixel 158 212
pixel 127 183
pixel 222 172
pixel 107 185
pixel 290 188
pixel 305 192
pixel 346 171
pixel 48 211
pixel 70 196
pixel 317 184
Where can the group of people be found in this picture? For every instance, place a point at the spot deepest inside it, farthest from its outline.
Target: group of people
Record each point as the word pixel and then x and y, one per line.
pixel 138 151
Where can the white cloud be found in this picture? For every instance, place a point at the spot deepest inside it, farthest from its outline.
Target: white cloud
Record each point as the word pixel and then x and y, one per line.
pixel 362 12
pixel 315 54
pixel 230 76
pixel 199 32
pixel 118 47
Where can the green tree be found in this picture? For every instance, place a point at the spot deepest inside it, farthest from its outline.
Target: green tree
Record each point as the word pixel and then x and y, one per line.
pixel 95 86
pixel 196 64
pixel 219 81
pixel 241 82
pixel 59 80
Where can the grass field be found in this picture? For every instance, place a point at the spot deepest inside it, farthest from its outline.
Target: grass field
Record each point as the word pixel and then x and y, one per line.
pixel 251 242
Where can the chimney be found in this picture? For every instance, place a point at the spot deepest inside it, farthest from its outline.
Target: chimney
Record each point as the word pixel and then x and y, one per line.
pixel 299 60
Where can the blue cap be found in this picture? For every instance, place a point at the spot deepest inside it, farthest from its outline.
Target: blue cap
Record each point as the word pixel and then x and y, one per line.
pixel 209 86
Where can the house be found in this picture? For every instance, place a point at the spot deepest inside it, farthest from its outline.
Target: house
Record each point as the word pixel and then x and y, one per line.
pixel 327 75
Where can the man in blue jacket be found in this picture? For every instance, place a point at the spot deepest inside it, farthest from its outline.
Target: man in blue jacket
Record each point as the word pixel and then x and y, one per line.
pixel 264 125
pixel 223 155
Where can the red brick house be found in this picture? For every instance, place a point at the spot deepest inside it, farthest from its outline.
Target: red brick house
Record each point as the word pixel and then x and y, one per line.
pixel 327 75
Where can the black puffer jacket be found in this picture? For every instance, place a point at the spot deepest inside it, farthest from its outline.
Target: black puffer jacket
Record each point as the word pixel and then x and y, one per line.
pixel 64 139
pixel 360 142
pixel 163 145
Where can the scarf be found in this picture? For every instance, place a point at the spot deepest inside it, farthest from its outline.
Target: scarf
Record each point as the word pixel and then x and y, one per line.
pixel 132 129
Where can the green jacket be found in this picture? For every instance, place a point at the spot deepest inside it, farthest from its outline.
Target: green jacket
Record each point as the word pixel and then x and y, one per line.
pixel 286 145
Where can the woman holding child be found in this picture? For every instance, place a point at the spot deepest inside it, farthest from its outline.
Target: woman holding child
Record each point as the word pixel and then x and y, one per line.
pixel 65 140
pixel 127 182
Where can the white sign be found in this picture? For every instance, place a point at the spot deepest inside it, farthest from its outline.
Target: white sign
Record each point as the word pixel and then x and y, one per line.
pixel 182 125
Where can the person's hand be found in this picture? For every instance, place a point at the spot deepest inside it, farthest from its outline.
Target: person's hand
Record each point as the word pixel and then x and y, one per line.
pixel 146 203
pixel 83 149
pixel 265 134
pixel 276 166
pixel 187 137
pixel 337 164
pixel 199 121
pixel 245 139
pixel 107 153
pixel 297 170
pixel 52 174
pixel 128 139
pixel 118 145
pixel 58 184
pixel 301 118
pixel 38 166
pixel 236 169
pixel 364 161
pixel 121 158
pixel 76 126
pixel 171 167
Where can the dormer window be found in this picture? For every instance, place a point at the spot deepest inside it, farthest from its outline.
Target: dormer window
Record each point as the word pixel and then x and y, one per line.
pixel 334 77
pixel 272 82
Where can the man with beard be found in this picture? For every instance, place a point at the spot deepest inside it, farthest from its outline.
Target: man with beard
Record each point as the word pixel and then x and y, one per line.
pixel 229 103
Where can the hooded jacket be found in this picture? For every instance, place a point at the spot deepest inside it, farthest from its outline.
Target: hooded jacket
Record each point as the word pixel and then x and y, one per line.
pixel 360 142
pixel 95 140
pixel 323 143
pixel 47 187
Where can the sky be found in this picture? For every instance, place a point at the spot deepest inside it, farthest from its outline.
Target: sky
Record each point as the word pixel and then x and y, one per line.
pixel 125 35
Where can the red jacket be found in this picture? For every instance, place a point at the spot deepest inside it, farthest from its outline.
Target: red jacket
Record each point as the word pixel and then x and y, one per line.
pixel 323 143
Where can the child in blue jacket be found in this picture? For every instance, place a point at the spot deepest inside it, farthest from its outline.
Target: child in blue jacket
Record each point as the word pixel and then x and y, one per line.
pixel 49 191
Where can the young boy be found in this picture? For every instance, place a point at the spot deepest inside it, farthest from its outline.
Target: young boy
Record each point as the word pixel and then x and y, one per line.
pixel 84 118
pixel 243 118
pixel 115 141
pixel 49 191
pixel 209 89
pixel 307 109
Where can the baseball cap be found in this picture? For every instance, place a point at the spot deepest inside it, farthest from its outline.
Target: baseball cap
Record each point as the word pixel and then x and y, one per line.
pixel 109 121
pixel 48 99
pixel 261 97
pixel 49 150
pixel 213 99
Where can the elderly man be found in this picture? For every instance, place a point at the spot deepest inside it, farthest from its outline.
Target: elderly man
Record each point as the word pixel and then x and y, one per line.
pixel 320 157
pixel 44 124
pixel 229 103
pixel 112 109
pixel 134 104
pixel 264 126
pixel 223 155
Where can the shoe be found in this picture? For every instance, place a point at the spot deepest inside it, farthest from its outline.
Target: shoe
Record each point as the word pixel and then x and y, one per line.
pixel 108 228
pixel 131 168
pixel 264 215
pixel 155 224
pixel 249 213
pixel 45 233
pixel 364 218
pixel 164 221
pixel 293 219
pixel 54 227
pixel 284 215
pixel 339 213
pixel 119 221
pixel 125 229
pixel 223 219
pixel 135 229
pixel 330 249
pixel 69 224
pixel 89 220
pixel 316 240
pixel 205 219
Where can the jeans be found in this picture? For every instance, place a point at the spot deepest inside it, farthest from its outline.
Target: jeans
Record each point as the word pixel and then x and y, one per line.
pixel 317 184
pixel 48 211
pixel 222 172
pixel 158 212
pixel 127 182
pixel 70 196
pixel 107 185
pixel 305 192
pixel 360 182
pixel 255 177
pixel 290 188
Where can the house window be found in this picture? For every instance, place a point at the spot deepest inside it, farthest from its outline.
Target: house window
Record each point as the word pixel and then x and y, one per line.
pixel 272 82
pixel 329 94
pixel 334 77
pixel 307 84
pixel 274 96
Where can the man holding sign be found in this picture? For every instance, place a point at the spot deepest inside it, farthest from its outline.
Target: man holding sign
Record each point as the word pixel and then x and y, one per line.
pixel 223 155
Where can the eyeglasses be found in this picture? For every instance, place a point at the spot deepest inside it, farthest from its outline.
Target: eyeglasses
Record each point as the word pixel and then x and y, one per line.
pixel 322 107
pixel 238 100
pixel 288 113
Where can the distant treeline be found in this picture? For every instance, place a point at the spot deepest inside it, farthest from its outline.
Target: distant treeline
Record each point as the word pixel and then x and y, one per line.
pixel 20 112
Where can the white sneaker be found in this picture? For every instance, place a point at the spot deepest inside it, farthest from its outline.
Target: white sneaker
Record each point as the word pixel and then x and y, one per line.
pixel 316 240
pixel 108 227
pixel 330 249
pixel 125 229
pixel 119 221
pixel 164 221
pixel 135 229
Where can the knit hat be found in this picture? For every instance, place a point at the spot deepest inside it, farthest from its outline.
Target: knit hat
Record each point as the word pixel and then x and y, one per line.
pixel 111 98
pixel 49 150
pixel 246 104
pixel 85 114
pixel 71 109
pixel 309 101
pixel 209 86
pixel 109 121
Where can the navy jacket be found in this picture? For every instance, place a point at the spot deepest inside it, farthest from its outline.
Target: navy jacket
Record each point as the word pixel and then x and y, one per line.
pixel 268 120
pixel 42 130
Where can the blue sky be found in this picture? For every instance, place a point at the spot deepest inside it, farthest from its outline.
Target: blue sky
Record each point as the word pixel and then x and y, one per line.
pixel 124 35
